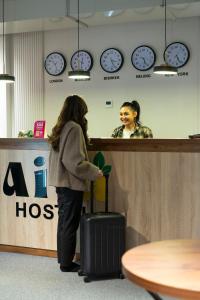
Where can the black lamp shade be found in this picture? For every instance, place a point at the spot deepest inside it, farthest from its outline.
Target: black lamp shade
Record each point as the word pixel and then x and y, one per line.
pixel 165 70
pixel 7 77
pixel 79 74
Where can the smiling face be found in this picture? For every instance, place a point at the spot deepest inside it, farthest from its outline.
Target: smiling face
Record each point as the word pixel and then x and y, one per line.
pixel 127 116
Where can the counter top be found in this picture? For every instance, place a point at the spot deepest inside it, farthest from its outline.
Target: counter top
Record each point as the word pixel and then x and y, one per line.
pixel 24 144
pixel 146 145
pixel 110 144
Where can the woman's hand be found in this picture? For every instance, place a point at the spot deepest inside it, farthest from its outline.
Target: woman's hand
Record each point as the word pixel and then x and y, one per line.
pixel 100 174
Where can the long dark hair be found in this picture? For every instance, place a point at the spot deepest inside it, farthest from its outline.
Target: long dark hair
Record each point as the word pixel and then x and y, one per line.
pixel 74 109
pixel 135 106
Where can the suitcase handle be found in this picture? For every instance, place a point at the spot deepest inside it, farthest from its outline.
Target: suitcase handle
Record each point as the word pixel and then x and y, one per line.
pixel 106 193
pixel 92 195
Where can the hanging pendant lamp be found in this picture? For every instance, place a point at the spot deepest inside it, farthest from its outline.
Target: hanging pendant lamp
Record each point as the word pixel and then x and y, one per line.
pixel 5 77
pixel 165 69
pixel 78 74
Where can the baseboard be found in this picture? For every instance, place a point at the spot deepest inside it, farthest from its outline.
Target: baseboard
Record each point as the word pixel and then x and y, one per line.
pixel 27 250
pixel 32 251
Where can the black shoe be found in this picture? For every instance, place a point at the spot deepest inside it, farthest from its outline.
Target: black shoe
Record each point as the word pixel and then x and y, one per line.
pixel 73 267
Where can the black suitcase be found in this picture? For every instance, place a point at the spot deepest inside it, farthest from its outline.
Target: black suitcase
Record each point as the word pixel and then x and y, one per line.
pixel 102 242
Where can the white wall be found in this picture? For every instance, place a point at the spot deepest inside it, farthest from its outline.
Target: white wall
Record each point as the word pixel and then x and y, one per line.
pixel 170 106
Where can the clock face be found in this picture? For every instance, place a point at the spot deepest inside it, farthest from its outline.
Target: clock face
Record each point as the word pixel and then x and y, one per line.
pixel 143 58
pixel 176 54
pixel 55 63
pixel 111 60
pixel 81 60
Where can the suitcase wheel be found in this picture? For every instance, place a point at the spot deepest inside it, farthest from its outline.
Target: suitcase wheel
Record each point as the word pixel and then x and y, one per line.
pixel 80 272
pixel 121 276
pixel 86 279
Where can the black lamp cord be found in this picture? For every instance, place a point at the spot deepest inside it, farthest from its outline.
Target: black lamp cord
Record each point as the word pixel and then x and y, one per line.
pixel 165 4
pixel 78 21
pixel 3 37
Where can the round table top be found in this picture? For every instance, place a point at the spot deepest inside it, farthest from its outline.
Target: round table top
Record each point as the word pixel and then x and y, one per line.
pixel 169 267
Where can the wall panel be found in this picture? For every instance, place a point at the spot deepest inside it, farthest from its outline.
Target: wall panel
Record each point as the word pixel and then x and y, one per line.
pixel 28 103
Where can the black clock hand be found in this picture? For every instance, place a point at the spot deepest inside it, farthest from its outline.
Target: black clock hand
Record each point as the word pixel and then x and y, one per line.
pixel 81 62
pixel 144 61
pixel 178 59
pixel 112 61
pixel 55 65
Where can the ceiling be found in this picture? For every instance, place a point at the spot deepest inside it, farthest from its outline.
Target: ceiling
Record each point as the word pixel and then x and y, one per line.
pixel 42 15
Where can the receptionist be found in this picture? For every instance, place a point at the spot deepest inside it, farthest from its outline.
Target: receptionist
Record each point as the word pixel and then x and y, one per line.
pixel 131 126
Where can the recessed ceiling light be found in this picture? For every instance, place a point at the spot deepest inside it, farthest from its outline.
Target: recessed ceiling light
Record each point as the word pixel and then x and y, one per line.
pixel 112 13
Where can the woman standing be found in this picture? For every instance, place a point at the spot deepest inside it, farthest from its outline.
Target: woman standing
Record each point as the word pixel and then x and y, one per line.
pixel 69 171
pixel 130 118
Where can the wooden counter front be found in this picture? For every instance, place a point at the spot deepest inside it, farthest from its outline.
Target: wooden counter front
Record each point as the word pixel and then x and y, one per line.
pixel 154 183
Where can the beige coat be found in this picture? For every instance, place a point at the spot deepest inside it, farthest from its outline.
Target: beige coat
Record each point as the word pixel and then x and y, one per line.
pixel 70 166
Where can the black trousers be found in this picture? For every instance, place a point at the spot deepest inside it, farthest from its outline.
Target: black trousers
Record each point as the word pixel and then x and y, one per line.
pixel 69 213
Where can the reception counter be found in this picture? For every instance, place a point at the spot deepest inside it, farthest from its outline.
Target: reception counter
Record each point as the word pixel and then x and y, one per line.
pixel 155 183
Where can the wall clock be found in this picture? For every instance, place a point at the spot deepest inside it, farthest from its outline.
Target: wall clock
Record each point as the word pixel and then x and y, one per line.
pixel 55 63
pixel 111 60
pixel 176 54
pixel 143 58
pixel 81 60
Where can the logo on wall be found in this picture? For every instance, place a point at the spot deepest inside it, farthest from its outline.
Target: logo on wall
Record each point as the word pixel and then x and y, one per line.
pixel 40 178
pixel 19 188
pixel 19 184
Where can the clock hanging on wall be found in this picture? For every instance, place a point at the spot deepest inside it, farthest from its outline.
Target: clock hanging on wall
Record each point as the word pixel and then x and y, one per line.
pixel 111 60
pixel 176 54
pixel 143 58
pixel 81 60
pixel 55 63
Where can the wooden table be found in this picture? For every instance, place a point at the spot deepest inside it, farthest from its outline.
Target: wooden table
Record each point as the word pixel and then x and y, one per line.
pixel 169 267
